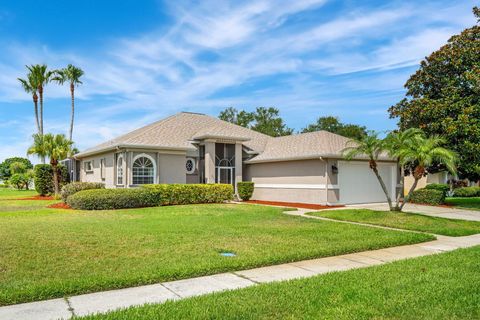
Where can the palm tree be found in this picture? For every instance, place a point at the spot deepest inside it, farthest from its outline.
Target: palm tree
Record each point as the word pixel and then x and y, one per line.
pixel 41 76
pixel 372 147
pixel 56 147
pixel 396 141
pixel 30 86
pixel 423 153
pixel 72 75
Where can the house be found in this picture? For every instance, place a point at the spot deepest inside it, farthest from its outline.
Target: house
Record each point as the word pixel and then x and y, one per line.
pixel 197 148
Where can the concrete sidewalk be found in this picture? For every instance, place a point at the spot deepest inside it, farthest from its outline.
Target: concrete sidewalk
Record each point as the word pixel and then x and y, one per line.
pixel 157 293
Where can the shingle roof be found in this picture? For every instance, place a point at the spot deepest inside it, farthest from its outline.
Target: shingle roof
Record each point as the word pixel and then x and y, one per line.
pixel 178 131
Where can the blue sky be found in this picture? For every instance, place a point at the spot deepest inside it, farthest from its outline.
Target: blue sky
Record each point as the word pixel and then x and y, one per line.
pixel 144 60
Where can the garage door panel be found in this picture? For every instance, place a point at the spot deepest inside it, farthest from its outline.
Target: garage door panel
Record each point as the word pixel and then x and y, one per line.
pixel 358 183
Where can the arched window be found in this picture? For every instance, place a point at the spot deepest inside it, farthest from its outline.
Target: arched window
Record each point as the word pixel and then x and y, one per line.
pixel 120 170
pixel 143 170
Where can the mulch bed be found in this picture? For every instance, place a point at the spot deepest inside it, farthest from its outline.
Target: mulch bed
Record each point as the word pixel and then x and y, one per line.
pixel 36 198
pixel 293 204
pixel 59 205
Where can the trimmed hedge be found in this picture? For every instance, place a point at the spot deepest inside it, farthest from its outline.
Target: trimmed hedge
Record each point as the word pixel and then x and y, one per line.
pixel 245 189
pixel 427 196
pixel 150 196
pixel 74 187
pixel 43 178
pixel 107 199
pixel 467 192
pixel 438 186
pixel 173 194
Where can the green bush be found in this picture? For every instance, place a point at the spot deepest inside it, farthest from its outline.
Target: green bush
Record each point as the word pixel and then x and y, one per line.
pixel 173 194
pixel 74 187
pixel 427 196
pixel 106 199
pixel 245 190
pixel 3 186
pixel 43 178
pixel 438 186
pixel 467 192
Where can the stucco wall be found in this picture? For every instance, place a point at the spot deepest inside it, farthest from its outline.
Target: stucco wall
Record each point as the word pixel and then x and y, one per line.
pixel 172 168
pixel 95 176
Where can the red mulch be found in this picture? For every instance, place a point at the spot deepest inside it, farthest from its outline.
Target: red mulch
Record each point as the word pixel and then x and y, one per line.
pixel 293 204
pixel 36 198
pixel 59 205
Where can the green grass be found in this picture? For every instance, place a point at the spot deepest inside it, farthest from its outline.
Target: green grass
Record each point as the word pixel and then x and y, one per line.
pixel 467 203
pixel 47 253
pixel 7 193
pixel 404 220
pixel 443 286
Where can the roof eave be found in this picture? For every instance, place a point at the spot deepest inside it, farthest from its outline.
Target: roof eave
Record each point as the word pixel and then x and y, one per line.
pixel 132 146
pixel 311 157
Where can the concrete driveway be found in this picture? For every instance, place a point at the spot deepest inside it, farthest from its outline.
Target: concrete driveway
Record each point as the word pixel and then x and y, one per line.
pixel 443 212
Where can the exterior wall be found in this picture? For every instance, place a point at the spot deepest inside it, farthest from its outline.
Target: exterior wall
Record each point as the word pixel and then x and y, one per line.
pixel 172 168
pixel 95 176
pixel 440 177
pixel 290 181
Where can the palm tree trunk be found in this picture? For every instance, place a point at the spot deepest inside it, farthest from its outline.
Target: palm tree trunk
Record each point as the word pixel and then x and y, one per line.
pixel 35 104
pixel 40 92
pixel 55 180
pixel 412 188
pixel 402 183
pixel 72 116
pixel 384 188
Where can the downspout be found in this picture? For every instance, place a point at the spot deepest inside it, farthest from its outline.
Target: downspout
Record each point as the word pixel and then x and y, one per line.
pixel 326 179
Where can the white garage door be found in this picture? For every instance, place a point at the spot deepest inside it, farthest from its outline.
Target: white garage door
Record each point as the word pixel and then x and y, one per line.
pixel 358 183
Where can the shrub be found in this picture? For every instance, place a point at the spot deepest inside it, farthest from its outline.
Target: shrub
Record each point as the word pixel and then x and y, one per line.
pixel 428 196
pixel 467 192
pixel 106 199
pixel 438 186
pixel 74 187
pixel 43 178
pixel 172 194
pixel 245 190
pixel 19 181
pixel 3 186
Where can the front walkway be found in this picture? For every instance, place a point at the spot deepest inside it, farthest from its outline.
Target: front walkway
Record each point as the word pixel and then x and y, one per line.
pixel 434 211
pixel 157 293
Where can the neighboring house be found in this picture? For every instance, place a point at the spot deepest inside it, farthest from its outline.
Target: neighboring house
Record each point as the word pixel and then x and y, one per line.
pixel 196 148
pixel 439 177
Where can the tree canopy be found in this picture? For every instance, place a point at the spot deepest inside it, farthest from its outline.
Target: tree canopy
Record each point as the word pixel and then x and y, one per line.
pixel 6 166
pixel 264 120
pixel 443 98
pixel 333 124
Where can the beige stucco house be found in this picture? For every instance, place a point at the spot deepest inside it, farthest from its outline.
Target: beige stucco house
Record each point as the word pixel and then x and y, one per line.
pixel 197 148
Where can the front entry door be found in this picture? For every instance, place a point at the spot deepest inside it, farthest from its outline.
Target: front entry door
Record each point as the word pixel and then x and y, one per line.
pixel 225 175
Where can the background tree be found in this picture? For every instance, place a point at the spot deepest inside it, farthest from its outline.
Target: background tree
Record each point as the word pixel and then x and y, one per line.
pixel 443 98
pixel 264 120
pixel 333 124
pixel 41 76
pixel 56 148
pixel 5 166
pixel 30 86
pixel 72 75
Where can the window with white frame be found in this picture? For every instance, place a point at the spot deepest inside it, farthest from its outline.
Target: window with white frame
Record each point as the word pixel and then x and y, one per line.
pixel 120 169
pixel 88 165
pixel 143 170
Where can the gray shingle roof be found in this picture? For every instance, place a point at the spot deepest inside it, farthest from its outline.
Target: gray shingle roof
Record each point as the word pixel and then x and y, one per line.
pixel 178 132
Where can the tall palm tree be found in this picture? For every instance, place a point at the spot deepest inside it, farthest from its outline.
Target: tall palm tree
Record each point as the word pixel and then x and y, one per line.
pixel 56 147
pixel 396 141
pixel 72 75
pixel 41 76
pixel 30 86
pixel 372 147
pixel 423 153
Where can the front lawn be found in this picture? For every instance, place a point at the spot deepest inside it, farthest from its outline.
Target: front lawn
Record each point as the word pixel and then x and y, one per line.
pixel 467 203
pixel 46 253
pixel 405 220
pixel 443 286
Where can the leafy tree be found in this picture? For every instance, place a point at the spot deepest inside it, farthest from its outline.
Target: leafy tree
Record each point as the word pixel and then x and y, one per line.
pixel 264 120
pixel 333 124
pixel 55 147
pixel 6 166
pixel 72 75
pixel 443 98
